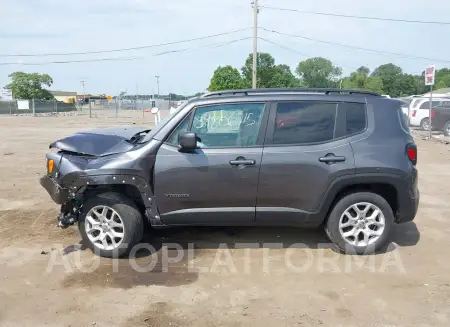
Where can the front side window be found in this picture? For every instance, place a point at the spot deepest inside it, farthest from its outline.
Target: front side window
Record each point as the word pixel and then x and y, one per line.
pixel 228 125
pixel 183 127
pixel 304 122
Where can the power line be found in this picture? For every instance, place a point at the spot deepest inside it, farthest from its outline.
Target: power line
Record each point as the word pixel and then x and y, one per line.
pixel 358 17
pixel 355 47
pixel 284 47
pixel 210 46
pixel 295 51
pixel 124 49
pixel 69 61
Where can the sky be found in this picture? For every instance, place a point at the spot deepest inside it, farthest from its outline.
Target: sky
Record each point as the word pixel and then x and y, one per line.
pixel 30 27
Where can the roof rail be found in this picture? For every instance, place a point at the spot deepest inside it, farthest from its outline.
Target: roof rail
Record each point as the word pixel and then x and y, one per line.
pixel 287 90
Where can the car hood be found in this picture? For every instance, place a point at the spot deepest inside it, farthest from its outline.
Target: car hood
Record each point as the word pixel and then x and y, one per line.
pixel 100 142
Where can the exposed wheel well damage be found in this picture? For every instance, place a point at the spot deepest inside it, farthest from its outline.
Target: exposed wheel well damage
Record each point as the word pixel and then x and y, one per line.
pixel 130 191
pixel 387 191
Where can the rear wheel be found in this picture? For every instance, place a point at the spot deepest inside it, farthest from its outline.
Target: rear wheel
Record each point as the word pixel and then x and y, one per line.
pixel 447 129
pixel 425 124
pixel 110 224
pixel 360 223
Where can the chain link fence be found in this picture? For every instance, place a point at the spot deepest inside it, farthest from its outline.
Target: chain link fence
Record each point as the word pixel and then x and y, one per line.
pixel 125 108
pixel 133 110
pixel 34 107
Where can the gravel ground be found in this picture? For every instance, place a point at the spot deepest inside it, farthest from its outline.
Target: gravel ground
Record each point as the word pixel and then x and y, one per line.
pixel 216 276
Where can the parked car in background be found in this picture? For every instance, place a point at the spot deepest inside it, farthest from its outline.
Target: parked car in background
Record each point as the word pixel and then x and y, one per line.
pixel 420 111
pixel 409 102
pixel 440 119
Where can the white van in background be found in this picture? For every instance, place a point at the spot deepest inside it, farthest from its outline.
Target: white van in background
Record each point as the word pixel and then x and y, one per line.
pixel 419 110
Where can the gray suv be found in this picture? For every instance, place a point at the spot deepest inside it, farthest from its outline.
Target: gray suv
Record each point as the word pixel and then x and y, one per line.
pixel 342 159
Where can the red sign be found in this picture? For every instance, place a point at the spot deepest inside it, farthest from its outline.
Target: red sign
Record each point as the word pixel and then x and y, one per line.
pixel 429 75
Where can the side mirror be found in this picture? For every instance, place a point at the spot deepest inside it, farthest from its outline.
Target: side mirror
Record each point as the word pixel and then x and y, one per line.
pixel 187 141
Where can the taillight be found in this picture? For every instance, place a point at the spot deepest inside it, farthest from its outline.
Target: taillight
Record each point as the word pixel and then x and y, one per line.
pixel 411 152
pixel 414 113
pixel 433 113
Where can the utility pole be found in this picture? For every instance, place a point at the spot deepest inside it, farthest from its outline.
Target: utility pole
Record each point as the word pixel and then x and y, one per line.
pixel 255 42
pixel 157 82
pixel 84 94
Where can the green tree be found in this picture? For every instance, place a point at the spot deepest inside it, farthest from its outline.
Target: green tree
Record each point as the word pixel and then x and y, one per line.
pixel 265 65
pixel 283 77
pixel 318 72
pixel 30 86
pixel 390 75
pixel 197 94
pixel 440 85
pixel 360 79
pixel 442 78
pixel 405 85
pixel 419 84
pixel 226 78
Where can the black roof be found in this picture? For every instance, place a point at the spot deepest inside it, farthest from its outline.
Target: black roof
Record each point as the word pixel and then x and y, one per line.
pixel 267 91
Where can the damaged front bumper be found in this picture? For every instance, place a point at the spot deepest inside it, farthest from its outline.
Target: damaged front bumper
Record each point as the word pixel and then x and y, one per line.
pixel 59 194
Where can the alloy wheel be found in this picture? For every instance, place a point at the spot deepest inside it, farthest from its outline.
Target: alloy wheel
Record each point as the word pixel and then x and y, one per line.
pixel 104 227
pixel 362 224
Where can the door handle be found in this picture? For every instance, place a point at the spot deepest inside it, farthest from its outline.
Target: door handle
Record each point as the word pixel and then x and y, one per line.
pixel 244 162
pixel 331 158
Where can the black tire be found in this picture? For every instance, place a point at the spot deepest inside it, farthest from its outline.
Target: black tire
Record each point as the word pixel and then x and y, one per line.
pixel 332 224
pixel 447 129
pixel 131 218
pixel 423 124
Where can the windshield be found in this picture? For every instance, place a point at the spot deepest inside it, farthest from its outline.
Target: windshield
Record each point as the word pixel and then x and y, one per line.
pixel 161 124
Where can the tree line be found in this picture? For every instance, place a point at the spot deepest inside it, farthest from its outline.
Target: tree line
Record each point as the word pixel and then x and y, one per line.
pixel 320 72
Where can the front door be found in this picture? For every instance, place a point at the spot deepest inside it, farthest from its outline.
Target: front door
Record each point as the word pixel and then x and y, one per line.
pixel 216 184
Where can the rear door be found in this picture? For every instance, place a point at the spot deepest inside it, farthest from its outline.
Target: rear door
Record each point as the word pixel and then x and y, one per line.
pixel 305 150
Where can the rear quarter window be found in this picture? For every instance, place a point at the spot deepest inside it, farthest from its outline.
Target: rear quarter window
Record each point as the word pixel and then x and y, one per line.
pixel 355 117
pixel 415 102
pixel 404 121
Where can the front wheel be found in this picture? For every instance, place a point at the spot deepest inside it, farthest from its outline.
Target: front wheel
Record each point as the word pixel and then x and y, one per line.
pixel 360 223
pixel 110 224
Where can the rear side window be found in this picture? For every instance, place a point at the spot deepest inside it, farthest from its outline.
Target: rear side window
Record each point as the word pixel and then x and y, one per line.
pixel 355 116
pixel 426 104
pixel 415 102
pixel 304 122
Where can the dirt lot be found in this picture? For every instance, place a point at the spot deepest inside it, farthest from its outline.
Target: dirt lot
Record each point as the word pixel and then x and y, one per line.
pixel 222 276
